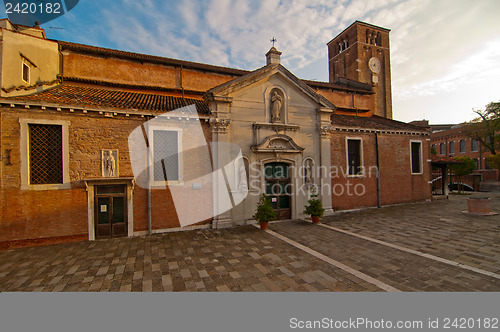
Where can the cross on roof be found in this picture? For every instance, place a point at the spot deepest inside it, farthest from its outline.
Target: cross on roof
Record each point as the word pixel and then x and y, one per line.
pixel 273 40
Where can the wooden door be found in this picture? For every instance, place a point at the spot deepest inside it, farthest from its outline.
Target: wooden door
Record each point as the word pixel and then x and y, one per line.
pixel 110 211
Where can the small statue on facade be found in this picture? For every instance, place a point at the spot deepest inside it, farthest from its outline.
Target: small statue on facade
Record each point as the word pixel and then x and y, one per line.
pixel 276 102
pixel 110 164
pixel 243 185
pixel 308 171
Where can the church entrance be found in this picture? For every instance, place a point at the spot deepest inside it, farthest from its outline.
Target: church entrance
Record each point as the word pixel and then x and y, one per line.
pixel 110 211
pixel 278 188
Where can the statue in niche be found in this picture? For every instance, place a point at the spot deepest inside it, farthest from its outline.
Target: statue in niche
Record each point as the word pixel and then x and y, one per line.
pixel 243 185
pixel 109 166
pixel 276 102
pixel 308 172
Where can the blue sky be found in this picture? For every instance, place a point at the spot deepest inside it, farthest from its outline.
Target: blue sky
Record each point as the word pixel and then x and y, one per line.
pixel 445 53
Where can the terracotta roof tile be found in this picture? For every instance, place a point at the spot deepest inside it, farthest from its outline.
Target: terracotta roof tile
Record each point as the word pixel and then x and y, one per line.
pixel 83 96
pixel 373 122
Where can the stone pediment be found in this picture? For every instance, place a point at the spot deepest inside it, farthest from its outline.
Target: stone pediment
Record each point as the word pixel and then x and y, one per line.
pixel 278 143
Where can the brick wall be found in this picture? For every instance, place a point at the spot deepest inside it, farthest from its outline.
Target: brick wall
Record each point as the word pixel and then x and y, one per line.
pixel 145 74
pixel 397 183
pixel 61 215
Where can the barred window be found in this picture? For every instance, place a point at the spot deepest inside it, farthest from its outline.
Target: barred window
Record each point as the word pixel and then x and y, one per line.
pixel 416 157
pixel 45 154
pixel 165 155
pixel 354 156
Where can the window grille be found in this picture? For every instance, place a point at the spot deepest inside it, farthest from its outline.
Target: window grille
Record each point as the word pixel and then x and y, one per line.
pixel 166 155
pixel 45 154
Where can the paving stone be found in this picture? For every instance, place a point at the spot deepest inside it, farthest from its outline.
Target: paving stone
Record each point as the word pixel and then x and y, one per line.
pixel 250 260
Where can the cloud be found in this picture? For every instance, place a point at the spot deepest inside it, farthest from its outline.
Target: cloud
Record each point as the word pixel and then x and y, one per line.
pixel 483 64
pixel 436 45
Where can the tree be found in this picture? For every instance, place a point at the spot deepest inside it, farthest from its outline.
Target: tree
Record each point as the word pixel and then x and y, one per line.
pixel 494 161
pixel 486 127
pixel 466 167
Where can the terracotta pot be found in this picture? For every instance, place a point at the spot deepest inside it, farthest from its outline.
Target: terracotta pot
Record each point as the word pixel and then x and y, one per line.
pixel 263 225
pixel 315 219
pixel 479 204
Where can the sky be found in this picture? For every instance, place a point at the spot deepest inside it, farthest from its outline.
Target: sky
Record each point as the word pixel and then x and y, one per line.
pixel 445 54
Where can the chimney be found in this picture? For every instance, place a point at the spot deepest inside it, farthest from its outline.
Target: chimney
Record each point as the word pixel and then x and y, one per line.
pixel 273 56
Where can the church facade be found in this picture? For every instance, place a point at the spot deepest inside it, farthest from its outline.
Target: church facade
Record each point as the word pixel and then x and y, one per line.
pixel 100 143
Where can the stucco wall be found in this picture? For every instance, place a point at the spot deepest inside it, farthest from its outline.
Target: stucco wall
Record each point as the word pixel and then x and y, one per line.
pixel 42 53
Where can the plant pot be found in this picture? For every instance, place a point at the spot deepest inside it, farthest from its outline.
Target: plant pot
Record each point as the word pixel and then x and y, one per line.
pixel 263 225
pixel 478 204
pixel 315 219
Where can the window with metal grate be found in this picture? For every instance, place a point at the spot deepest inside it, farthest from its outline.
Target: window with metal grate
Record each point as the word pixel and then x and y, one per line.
pixel 166 155
pixel 45 154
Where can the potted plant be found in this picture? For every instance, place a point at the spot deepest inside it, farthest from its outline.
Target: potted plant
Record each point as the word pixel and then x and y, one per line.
pixel 314 209
pixel 265 212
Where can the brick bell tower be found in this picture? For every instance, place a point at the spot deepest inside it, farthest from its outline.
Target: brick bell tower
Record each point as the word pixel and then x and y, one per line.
pixel 361 53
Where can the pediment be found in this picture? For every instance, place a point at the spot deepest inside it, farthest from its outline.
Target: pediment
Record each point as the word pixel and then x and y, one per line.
pixel 228 88
pixel 278 143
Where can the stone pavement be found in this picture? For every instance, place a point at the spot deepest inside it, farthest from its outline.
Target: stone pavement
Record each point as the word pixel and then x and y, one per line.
pixel 294 256
pixel 438 228
pixel 239 259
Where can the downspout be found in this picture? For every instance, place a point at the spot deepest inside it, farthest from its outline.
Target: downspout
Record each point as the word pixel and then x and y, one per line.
pixel 379 200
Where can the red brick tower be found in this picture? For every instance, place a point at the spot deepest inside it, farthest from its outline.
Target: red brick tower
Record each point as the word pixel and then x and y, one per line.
pixel 361 53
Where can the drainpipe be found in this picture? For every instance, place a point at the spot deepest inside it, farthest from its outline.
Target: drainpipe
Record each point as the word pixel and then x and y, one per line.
pixel 379 200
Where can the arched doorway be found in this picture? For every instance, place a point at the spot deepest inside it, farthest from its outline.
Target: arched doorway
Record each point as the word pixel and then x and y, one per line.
pixel 279 188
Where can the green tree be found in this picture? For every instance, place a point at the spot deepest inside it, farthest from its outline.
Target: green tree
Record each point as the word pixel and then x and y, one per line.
pixel 486 127
pixel 466 167
pixel 494 161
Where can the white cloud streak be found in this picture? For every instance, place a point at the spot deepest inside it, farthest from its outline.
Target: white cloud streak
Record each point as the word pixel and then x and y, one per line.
pixel 436 45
